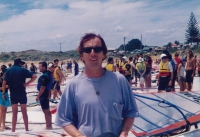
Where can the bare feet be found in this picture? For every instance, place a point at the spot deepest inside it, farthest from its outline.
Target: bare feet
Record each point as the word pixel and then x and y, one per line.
pixel 29 130
pixel 1 130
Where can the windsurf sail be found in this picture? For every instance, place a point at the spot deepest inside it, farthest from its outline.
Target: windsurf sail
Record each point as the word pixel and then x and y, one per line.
pixel 162 114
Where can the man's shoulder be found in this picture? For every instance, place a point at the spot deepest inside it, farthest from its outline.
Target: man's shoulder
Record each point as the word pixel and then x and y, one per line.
pixel 113 75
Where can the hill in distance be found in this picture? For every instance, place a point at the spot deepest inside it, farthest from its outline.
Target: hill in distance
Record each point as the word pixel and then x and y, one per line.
pixel 37 55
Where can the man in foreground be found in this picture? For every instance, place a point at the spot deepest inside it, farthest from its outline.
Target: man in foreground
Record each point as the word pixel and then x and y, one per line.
pixel 15 77
pixel 96 101
pixel 44 87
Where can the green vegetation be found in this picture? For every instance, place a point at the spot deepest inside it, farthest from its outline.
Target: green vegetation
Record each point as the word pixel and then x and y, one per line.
pixel 36 55
pixel 192 30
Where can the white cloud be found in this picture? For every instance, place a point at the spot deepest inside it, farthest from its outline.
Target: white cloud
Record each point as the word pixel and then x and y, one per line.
pixel 119 28
pixel 48 24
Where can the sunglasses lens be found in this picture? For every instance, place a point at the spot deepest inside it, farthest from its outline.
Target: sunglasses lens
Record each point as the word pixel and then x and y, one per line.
pixel 98 49
pixel 89 49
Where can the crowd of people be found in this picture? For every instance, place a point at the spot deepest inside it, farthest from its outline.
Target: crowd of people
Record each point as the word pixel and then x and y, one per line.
pixel 136 68
pixel 14 77
pixel 171 69
pixel 96 101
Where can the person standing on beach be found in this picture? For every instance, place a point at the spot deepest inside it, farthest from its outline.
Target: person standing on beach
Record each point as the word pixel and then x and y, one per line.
pixel 57 75
pixel 4 100
pixel 44 87
pixel 141 71
pixel 120 64
pixel 33 68
pixel 165 76
pixel 76 68
pixel 190 68
pixel 15 77
pixel 181 75
pixel 91 103
pixel 110 66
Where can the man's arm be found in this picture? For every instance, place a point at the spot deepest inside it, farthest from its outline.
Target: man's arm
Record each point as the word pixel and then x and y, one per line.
pixel 126 127
pixel 194 64
pixel 72 131
pixel 31 80
pixel 172 74
pixel 42 88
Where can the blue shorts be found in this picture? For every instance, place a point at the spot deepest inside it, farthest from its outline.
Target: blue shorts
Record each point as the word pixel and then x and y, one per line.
pixel 44 102
pixel 55 85
pixel 18 99
pixel 5 103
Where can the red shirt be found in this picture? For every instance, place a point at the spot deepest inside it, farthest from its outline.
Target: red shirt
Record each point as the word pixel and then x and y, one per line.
pixel 178 60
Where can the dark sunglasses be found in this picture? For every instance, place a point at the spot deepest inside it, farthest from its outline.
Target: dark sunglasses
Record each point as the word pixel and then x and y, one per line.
pixel 164 57
pixel 89 49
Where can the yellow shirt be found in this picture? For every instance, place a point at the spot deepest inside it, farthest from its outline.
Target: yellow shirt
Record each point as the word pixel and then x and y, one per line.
pixel 127 72
pixel 121 63
pixel 140 66
pixel 109 67
pixel 55 75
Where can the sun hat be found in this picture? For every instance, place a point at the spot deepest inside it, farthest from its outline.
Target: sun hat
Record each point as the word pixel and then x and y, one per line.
pixel 163 55
pixel 125 58
pixel 50 65
pixel 148 54
pixel 140 59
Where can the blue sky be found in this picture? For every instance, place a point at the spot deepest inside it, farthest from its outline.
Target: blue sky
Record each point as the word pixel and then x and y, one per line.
pixel 43 24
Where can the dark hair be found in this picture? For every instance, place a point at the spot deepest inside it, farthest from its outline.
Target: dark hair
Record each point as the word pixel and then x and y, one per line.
pixel 110 59
pixel 191 54
pixel 44 64
pixel 3 68
pixel 130 58
pixel 55 60
pixel 176 54
pixel 89 36
pixel 169 56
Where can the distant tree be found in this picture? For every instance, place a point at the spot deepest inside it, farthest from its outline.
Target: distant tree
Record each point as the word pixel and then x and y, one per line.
pixel 192 30
pixel 121 47
pixel 134 44
pixel 176 42
pixel 169 45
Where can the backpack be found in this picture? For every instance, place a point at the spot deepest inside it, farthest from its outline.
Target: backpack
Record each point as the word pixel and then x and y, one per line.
pixel 128 67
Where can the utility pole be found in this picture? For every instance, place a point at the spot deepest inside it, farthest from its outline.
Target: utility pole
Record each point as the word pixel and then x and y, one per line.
pixel 124 45
pixel 141 42
pixel 60 48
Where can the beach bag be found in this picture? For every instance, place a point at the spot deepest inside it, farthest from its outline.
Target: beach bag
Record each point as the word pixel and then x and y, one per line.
pixel 141 80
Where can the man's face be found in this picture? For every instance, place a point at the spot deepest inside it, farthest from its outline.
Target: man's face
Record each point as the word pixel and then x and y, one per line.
pixel 93 59
pixel 41 68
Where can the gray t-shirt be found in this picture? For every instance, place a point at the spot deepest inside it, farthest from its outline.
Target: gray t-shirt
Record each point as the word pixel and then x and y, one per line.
pixel 94 114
